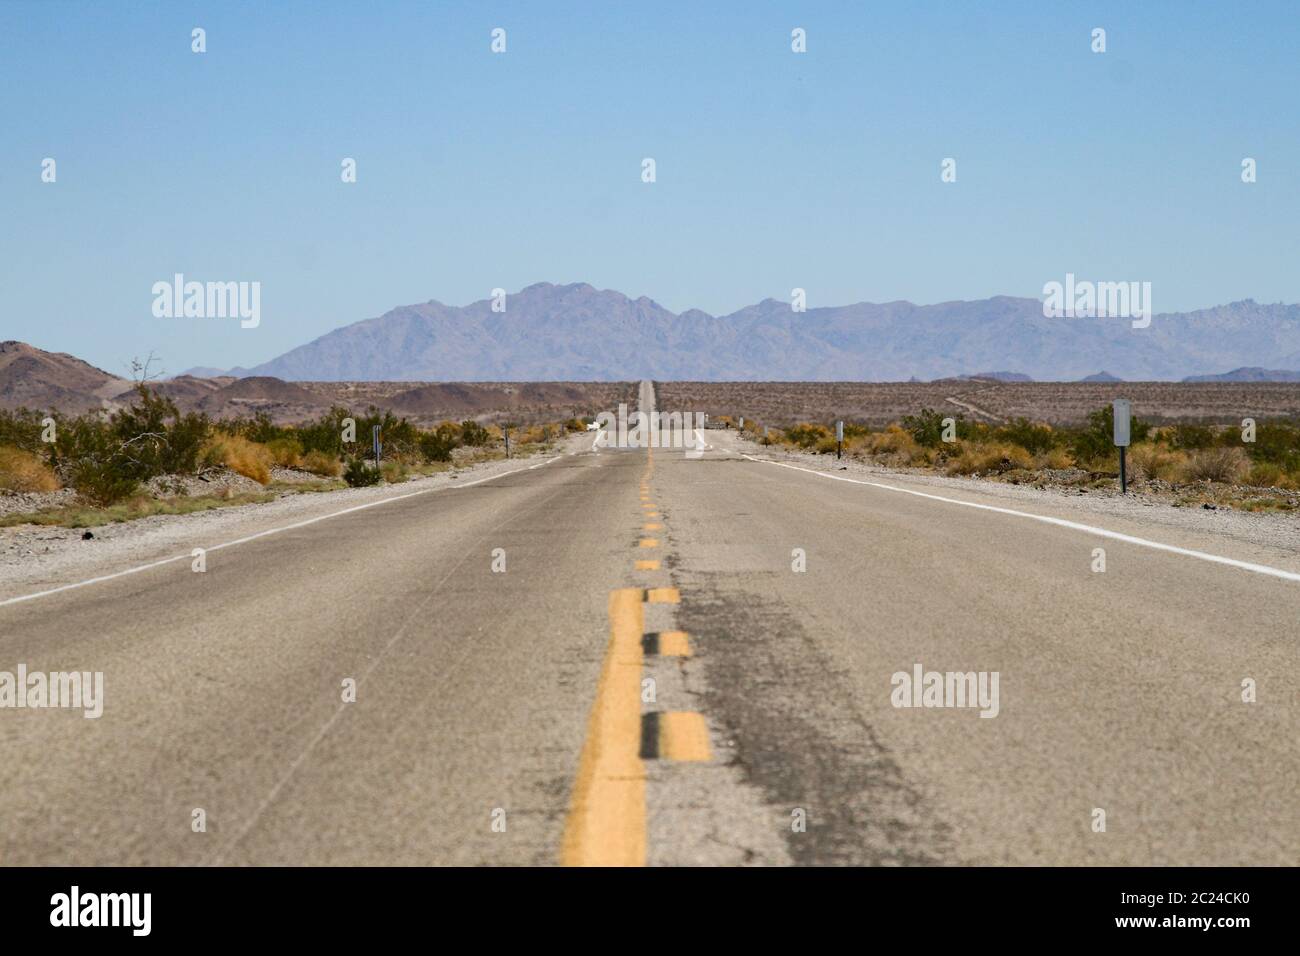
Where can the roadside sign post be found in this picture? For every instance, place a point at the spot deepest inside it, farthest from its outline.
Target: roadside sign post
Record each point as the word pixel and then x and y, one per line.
pixel 505 430
pixel 1123 418
pixel 839 440
pixel 379 446
pixel 742 423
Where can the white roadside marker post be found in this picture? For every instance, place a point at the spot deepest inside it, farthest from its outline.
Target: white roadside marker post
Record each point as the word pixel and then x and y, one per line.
pixel 1123 415
pixel 379 447
pixel 839 440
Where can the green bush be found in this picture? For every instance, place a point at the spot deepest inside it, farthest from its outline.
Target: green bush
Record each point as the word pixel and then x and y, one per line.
pixel 359 473
pixel 437 445
pixel 1188 437
pixel 1097 440
pixel 926 428
pixel 1032 437
pixel 154 438
pixel 89 456
pixel 22 429
pixel 472 433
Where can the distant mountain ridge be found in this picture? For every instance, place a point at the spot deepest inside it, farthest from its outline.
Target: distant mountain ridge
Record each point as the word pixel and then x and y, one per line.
pixel 1254 374
pixel 576 332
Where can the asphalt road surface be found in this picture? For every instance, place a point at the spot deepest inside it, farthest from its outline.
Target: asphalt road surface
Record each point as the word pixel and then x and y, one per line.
pixel 635 656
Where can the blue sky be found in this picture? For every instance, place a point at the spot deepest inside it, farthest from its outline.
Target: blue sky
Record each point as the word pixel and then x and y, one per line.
pixel 775 169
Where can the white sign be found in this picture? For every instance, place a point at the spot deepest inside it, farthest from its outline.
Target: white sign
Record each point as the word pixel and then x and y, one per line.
pixel 839 431
pixel 1123 414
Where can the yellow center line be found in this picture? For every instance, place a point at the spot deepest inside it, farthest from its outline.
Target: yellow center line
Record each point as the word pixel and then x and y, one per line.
pixel 647 565
pixel 651 526
pixel 663 596
pixel 606 825
pixel 649 542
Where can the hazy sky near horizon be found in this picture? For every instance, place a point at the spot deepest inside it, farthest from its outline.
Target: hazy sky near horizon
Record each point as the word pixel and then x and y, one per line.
pixel 774 169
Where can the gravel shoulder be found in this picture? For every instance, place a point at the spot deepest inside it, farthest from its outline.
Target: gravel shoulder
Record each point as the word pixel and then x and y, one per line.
pixel 34 558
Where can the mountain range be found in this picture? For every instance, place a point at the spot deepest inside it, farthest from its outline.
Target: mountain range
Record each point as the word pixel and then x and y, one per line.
pixel 576 332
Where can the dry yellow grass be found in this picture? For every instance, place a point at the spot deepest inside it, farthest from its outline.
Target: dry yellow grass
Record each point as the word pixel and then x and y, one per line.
pixel 320 463
pixel 1216 464
pixel 240 455
pixel 1054 458
pixel 980 457
pixel 285 452
pixel 21 471
pixel 1156 461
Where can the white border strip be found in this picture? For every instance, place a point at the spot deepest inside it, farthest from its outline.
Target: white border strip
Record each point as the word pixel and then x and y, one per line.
pixel 1060 522
pixel 271 531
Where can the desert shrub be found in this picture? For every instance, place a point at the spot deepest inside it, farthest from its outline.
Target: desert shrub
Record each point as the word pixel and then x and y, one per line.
pixel 1265 474
pixel 1055 458
pixel 1189 437
pixel 394 471
pixel 981 457
pixel 892 440
pixel 325 434
pixel 1153 461
pixel 1031 436
pixel 437 445
pixel 154 438
pixel 925 427
pixel 240 455
pixel 320 463
pixel 359 474
pixel 826 446
pixel 1276 441
pixel 807 435
pixel 1216 464
pixel 23 471
pixel 576 425
pixel 286 452
pixel 473 434
pixel 88 456
pixel 22 429
pixel 1097 439
pixel 258 428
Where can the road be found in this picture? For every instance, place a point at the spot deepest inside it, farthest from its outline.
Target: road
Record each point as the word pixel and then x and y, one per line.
pixel 640 656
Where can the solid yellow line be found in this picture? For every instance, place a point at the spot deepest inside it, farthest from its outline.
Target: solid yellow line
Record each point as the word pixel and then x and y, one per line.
pixel 683 736
pixel 647 565
pixel 674 644
pixel 606 822
pixel 649 542
pixel 663 596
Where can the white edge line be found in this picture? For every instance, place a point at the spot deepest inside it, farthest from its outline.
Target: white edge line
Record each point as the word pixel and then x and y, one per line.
pixel 1060 522
pixel 263 534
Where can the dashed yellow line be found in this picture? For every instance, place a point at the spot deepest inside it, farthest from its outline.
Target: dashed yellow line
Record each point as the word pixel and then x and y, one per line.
pixel 683 735
pixel 652 526
pixel 674 644
pixel 663 596
pixel 647 565
pixel 606 823
pixel 649 543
